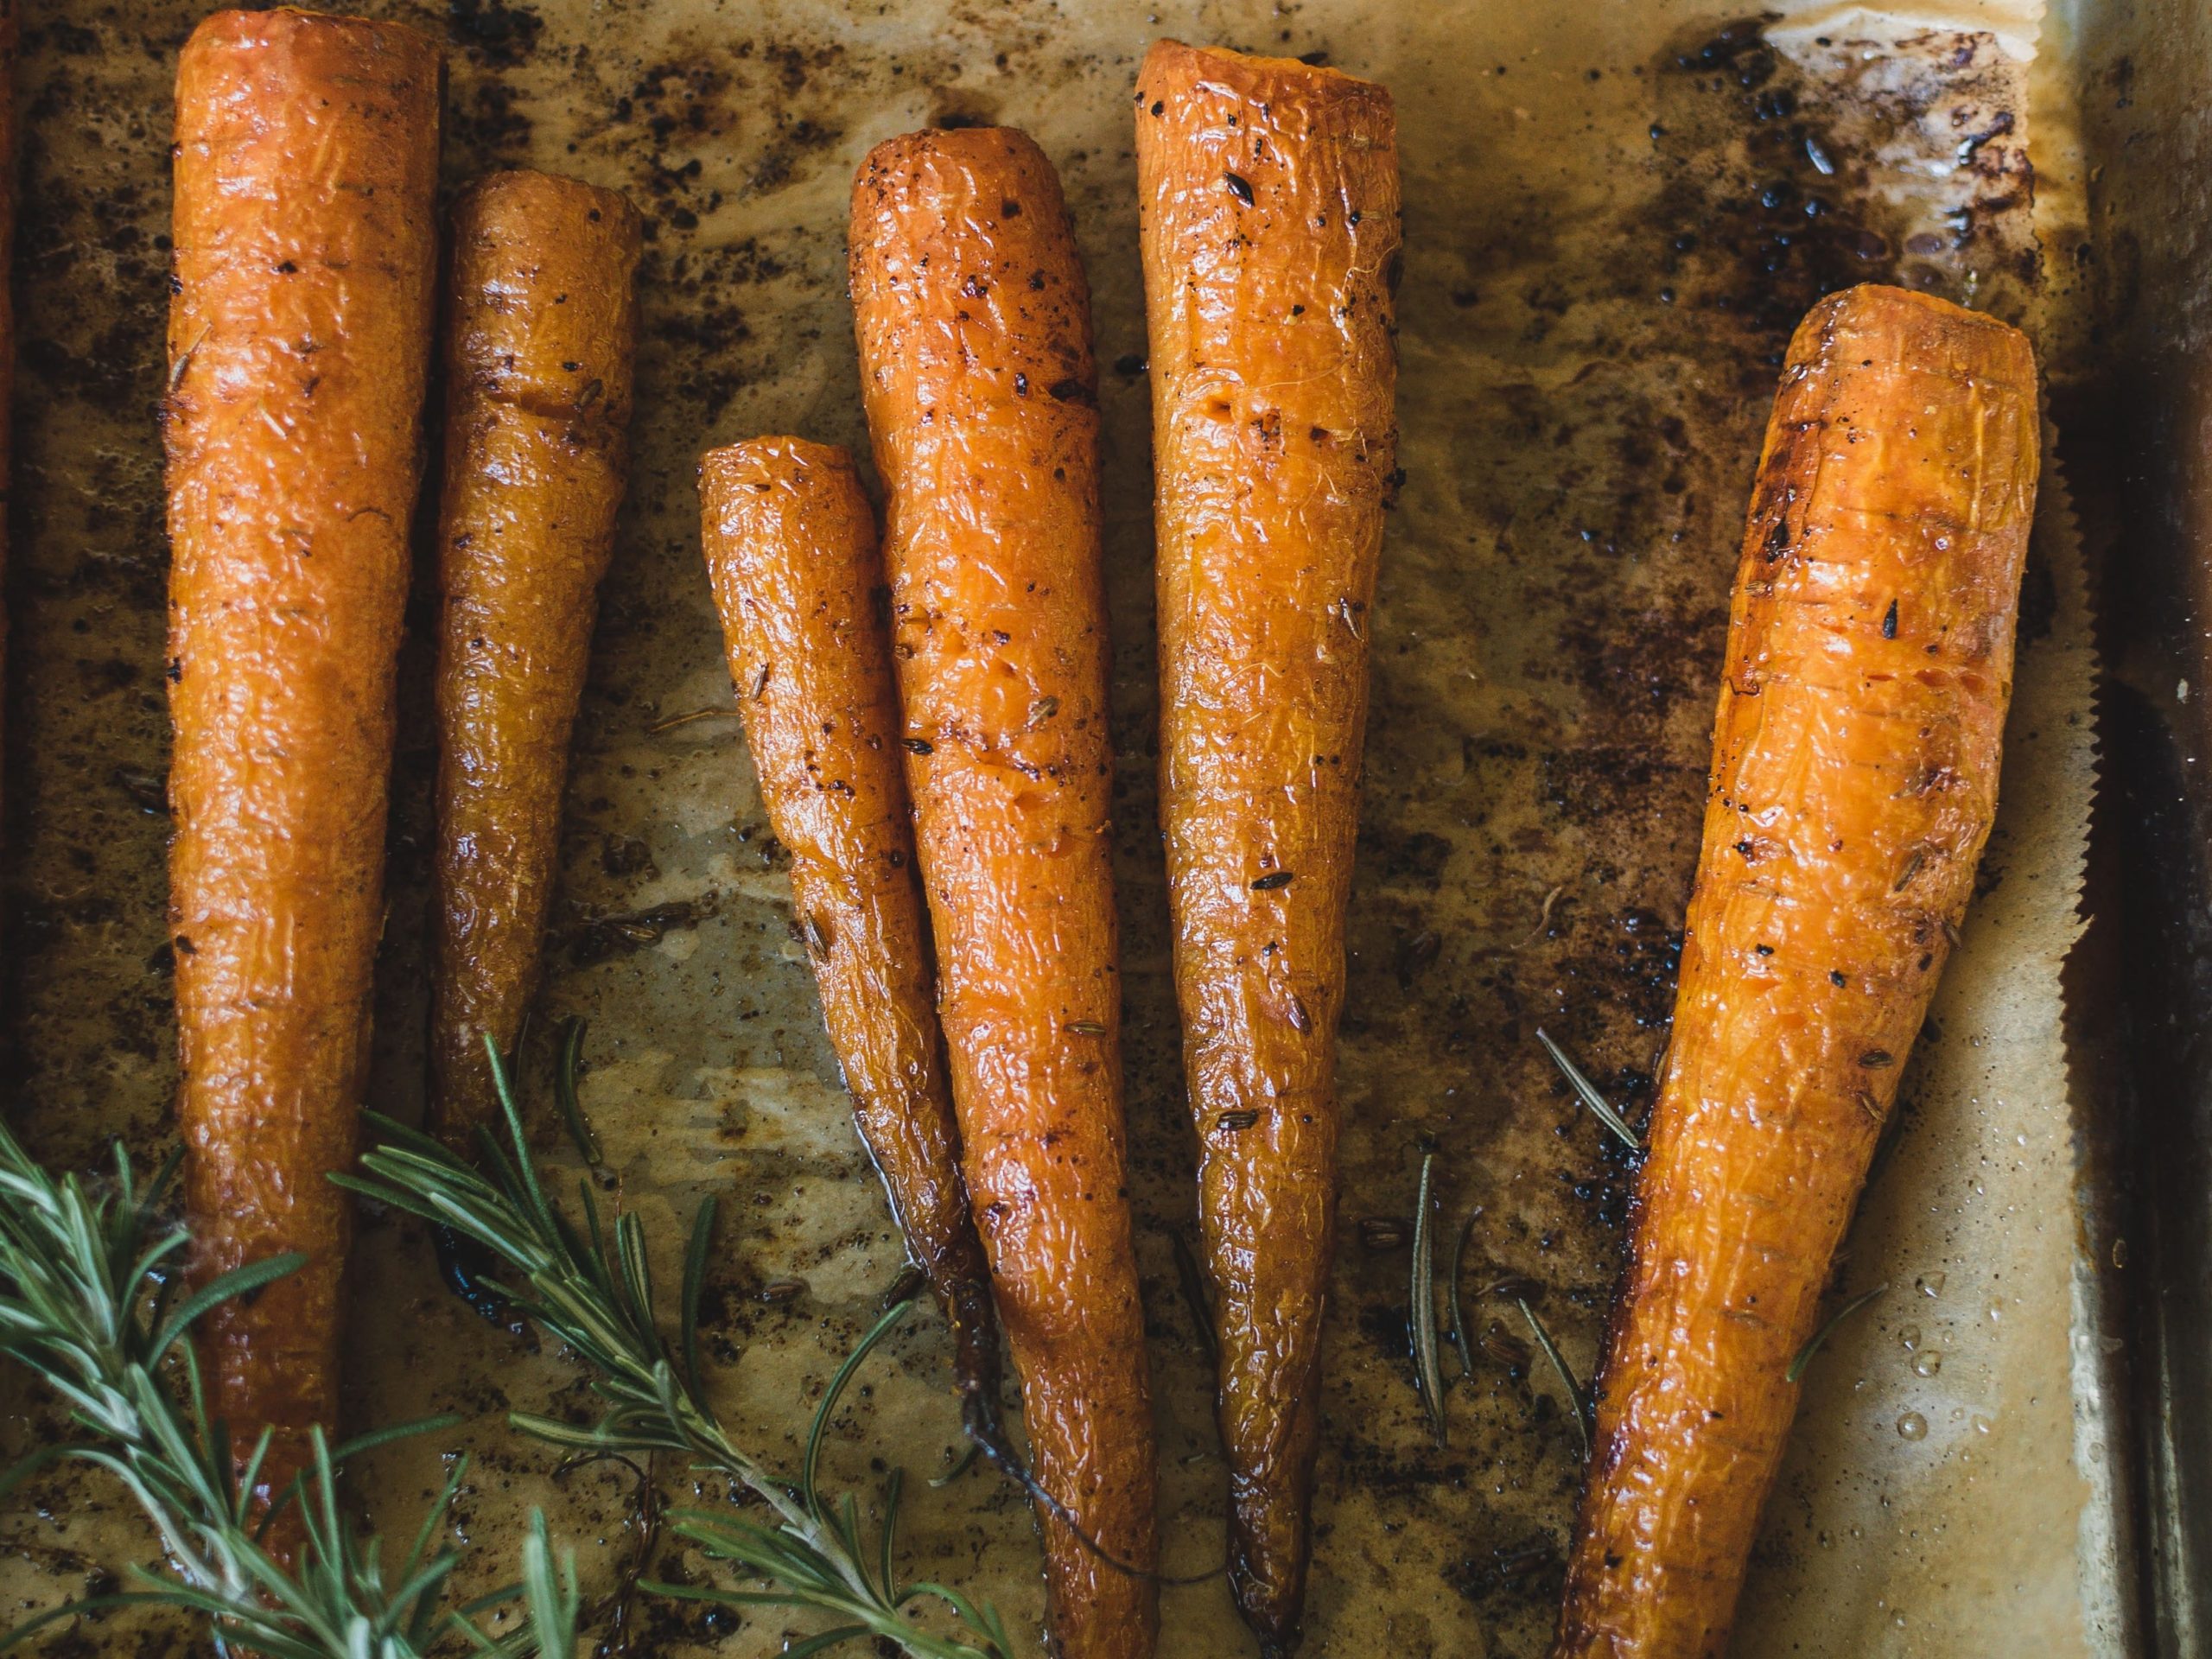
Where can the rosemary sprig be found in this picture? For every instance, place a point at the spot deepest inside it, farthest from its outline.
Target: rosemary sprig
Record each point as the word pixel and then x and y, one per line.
pixel 87 1279
pixel 590 1289
pixel 1588 1090
pixel 808 1576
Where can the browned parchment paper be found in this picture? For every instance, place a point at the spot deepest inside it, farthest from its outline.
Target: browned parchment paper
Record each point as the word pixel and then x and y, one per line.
pixel 1611 226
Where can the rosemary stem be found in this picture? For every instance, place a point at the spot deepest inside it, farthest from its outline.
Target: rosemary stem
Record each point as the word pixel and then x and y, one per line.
pixel 585 1280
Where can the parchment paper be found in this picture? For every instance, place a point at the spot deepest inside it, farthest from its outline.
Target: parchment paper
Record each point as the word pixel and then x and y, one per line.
pixel 1607 240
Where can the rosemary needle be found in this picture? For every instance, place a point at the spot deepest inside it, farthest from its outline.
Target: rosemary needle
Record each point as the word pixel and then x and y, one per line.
pixel 564 1091
pixel 1420 1314
pixel 674 721
pixel 1797 1370
pixel 1574 1400
pixel 1459 1337
pixel 1194 1292
pixel 960 1466
pixel 1596 1102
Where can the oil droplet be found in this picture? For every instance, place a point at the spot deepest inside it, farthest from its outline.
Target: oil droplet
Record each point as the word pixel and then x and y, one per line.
pixel 1912 1427
pixel 1931 1284
pixel 1910 1337
pixel 1927 1364
pixel 1982 1424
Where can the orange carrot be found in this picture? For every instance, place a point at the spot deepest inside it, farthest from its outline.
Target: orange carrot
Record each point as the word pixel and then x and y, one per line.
pixel 973 320
pixel 299 345
pixel 541 336
pixel 1268 194
pixel 1854 778
pixel 790 550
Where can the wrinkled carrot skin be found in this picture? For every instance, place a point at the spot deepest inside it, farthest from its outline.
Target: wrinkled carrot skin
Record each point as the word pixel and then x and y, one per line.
pixel 791 554
pixel 541 336
pixel 299 344
pixel 1268 200
pixel 1854 779
pixel 973 320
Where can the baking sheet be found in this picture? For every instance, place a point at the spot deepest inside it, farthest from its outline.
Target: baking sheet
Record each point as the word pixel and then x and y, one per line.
pixel 2139 987
pixel 1597 291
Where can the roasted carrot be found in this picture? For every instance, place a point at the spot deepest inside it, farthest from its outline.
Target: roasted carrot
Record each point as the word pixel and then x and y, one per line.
pixel 1854 777
pixel 791 552
pixel 974 340
pixel 299 342
pixel 541 334
pixel 1268 202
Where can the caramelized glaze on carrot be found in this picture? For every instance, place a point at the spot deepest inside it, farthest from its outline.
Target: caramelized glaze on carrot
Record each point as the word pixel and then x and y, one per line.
pixel 299 346
pixel 975 339
pixel 792 553
pixel 1854 779
pixel 1268 193
pixel 541 334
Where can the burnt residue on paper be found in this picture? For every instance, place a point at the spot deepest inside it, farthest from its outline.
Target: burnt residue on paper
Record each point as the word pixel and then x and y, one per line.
pixel 1550 626
pixel 1609 234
